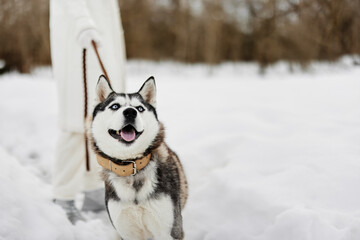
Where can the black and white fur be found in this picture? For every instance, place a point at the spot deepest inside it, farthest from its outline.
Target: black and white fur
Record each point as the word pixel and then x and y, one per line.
pixel 147 205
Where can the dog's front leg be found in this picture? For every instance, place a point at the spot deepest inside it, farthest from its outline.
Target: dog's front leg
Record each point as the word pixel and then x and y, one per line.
pixel 177 229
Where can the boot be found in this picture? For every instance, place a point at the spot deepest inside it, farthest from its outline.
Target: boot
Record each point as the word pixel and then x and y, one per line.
pixel 71 211
pixel 94 200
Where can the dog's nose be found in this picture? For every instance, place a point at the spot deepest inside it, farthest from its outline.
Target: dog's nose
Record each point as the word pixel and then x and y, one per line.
pixel 130 113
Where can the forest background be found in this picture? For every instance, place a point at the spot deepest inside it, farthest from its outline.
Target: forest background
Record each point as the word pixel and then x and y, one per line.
pixel 191 31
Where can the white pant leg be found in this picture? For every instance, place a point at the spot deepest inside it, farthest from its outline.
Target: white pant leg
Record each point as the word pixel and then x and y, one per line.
pixel 69 173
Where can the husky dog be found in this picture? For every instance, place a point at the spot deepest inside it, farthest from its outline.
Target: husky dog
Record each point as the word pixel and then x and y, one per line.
pixel 145 184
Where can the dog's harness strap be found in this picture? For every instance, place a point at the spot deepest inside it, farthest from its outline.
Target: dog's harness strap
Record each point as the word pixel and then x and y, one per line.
pixel 124 170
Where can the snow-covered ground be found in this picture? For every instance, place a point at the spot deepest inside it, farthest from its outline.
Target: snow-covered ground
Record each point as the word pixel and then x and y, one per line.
pixel 268 157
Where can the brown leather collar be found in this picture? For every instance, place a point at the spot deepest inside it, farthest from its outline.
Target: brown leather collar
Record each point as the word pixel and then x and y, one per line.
pixel 124 170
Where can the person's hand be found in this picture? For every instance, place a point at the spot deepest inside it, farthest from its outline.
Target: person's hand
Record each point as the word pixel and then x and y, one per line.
pixel 87 36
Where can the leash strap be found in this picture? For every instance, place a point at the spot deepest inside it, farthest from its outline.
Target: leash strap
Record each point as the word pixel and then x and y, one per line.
pixel 86 96
pixel 100 62
pixel 85 111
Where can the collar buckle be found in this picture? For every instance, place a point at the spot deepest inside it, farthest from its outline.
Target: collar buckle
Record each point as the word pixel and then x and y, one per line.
pixel 134 167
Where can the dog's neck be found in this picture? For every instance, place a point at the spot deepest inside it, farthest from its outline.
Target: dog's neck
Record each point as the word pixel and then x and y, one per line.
pixel 127 168
pixel 110 161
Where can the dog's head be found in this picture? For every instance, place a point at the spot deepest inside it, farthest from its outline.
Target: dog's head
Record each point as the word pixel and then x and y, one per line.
pixel 124 126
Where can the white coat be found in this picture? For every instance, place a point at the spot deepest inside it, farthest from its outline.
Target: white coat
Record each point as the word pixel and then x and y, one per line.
pixel 68 19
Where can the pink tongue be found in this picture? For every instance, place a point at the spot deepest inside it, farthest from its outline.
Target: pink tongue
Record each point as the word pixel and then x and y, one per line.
pixel 128 135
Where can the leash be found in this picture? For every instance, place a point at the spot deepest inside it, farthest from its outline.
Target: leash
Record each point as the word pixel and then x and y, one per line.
pixel 100 62
pixel 85 111
pixel 86 95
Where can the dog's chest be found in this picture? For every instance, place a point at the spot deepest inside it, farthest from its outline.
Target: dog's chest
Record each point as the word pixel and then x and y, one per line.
pixel 138 215
pixel 138 188
pixel 152 218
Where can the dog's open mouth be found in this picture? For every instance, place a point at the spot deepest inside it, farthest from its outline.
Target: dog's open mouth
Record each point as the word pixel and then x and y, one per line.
pixel 127 134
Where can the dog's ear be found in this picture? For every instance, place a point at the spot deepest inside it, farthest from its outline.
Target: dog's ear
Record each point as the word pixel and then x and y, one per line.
pixel 148 91
pixel 103 89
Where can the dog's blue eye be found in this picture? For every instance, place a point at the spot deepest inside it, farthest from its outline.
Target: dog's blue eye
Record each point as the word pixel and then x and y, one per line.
pixel 140 108
pixel 115 106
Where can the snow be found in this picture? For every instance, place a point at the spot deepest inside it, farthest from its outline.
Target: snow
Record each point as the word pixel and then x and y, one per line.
pixel 28 213
pixel 267 157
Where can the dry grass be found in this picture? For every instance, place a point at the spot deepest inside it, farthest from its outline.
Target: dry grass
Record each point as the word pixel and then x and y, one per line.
pixel 297 31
